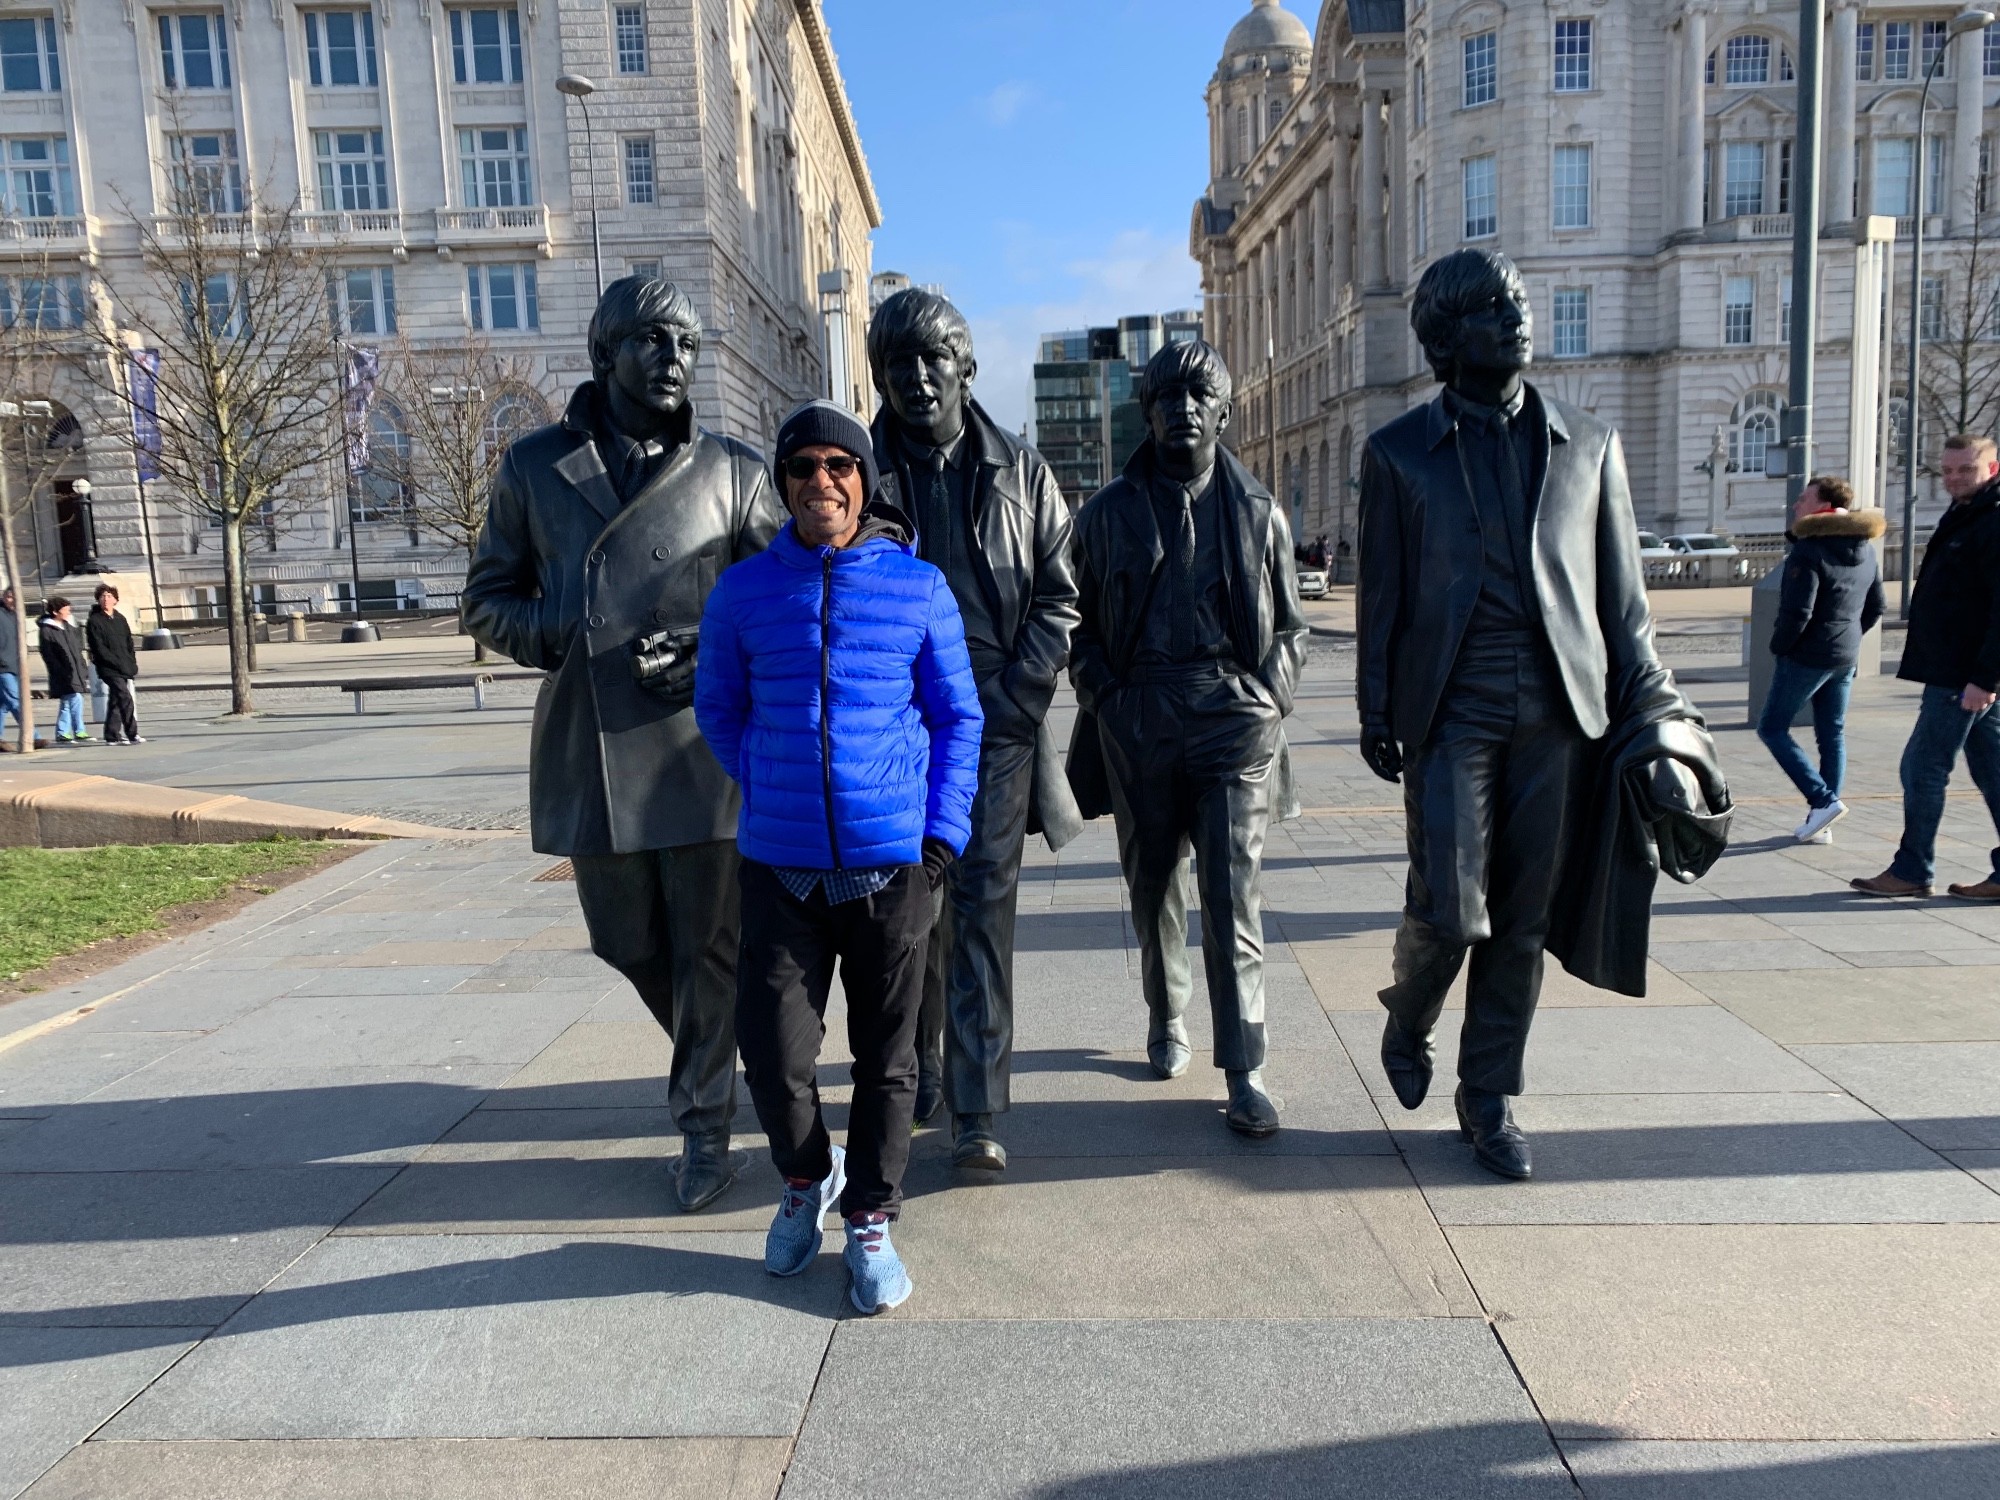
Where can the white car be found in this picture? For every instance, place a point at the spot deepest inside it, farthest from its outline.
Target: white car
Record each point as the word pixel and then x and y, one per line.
pixel 1312 583
pixel 1703 544
pixel 1652 549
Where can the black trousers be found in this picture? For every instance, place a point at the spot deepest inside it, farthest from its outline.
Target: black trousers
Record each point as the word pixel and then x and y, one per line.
pixel 1491 799
pixel 667 921
pixel 121 713
pixel 782 981
pixel 1189 754
pixel 968 1010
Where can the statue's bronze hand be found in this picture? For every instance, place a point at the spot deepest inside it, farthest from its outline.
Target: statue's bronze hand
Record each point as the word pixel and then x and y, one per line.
pixel 1383 754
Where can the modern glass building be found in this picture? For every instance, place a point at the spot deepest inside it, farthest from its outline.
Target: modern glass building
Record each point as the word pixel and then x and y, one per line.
pixel 1087 418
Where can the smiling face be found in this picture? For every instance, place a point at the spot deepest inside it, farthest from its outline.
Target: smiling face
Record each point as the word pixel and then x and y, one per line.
pixel 652 367
pixel 825 507
pixel 926 388
pixel 1187 418
pixel 1496 338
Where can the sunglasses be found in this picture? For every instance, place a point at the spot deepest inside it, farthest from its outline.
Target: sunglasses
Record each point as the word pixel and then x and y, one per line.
pixel 802 466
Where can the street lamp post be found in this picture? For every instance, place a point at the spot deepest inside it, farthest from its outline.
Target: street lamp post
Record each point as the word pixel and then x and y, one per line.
pixel 580 89
pixel 1805 257
pixel 1966 20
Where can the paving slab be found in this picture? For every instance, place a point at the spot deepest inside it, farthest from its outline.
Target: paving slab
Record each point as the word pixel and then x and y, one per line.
pixel 1349 973
pixel 58 1384
pixel 1749 1332
pixel 434 1469
pixel 1387 1410
pixel 1948 1003
pixel 508 1336
pixel 193 999
pixel 1791 1158
pixel 1614 1049
pixel 1982 1165
pixel 1154 1237
pixel 1613 1470
pixel 180 1115
pixel 68 1065
pixel 1947 1095
pixel 388 1029
pixel 165 1249
pixel 595 1065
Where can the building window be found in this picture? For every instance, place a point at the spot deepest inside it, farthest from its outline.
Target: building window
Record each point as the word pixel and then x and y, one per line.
pixel 28 62
pixel 194 49
pixel 1277 113
pixel 486 45
pixel 38 180
pixel 353 172
pixel 1785 73
pixel 1895 51
pixel 1933 305
pixel 1985 186
pixel 1895 176
pixel 1753 431
pixel 1572 187
pixel 381 493
pixel 648 269
pixel 1784 177
pixel 503 298
pixel 493 167
pixel 1482 69
pixel 215 303
pixel 1934 161
pixel 364 299
pixel 1482 198
pixel 1572 57
pixel 1707 183
pixel 1708 71
pixel 1935 35
pixel 1785 311
pixel 1739 310
pixel 1242 135
pixel 1746 60
pixel 340 48
pixel 1420 215
pixel 1989 57
pixel 1742 179
pixel 1864 52
pixel 639 170
pixel 42 302
pixel 1420 94
pixel 631 27
pixel 1572 322
pixel 206 176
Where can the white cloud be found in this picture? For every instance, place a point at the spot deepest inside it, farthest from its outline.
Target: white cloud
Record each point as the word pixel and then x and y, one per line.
pixel 1003 106
pixel 1139 271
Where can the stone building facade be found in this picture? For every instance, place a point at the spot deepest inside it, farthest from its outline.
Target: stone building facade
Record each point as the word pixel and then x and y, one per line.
pixel 429 146
pixel 1635 161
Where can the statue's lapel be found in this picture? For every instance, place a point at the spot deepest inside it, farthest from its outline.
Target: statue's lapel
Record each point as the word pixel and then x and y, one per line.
pixel 583 468
pixel 1142 526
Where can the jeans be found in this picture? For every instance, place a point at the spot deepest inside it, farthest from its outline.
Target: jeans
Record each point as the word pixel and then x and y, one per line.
pixel 10 696
pixel 1792 683
pixel 1943 729
pixel 69 715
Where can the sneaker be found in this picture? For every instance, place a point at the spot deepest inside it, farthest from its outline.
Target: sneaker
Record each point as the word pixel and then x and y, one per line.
pixel 1819 820
pixel 796 1235
pixel 137 739
pixel 880 1282
pixel 1822 838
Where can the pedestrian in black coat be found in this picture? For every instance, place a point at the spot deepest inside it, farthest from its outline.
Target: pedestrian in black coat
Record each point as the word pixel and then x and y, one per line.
pixel 117 662
pixel 62 659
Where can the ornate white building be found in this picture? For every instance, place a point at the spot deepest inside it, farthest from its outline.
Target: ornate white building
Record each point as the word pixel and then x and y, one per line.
pixel 430 146
pixel 1636 162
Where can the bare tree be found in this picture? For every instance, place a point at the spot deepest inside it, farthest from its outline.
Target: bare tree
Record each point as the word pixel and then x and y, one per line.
pixel 248 398
pixel 453 410
pixel 1961 353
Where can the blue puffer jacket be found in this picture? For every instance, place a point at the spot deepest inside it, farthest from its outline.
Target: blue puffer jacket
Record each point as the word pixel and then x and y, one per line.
pixel 835 687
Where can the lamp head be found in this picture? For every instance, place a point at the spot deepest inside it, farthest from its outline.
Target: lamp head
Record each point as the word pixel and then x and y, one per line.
pixel 579 87
pixel 1970 19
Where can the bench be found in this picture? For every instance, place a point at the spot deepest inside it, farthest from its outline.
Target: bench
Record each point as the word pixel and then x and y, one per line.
pixel 362 687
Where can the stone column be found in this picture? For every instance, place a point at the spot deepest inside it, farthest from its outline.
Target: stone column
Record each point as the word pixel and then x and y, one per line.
pixel 1340 263
pixel 1836 204
pixel 1374 220
pixel 1967 121
pixel 1694 114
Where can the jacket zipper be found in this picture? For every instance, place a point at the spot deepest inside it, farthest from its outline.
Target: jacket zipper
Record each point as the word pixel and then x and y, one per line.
pixel 826 700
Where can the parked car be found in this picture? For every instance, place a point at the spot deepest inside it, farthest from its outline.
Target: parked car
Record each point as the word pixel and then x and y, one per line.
pixel 1703 544
pixel 1651 548
pixel 1312 583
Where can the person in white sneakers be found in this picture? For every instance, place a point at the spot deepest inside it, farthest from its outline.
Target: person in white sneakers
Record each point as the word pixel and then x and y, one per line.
pixel 1832 597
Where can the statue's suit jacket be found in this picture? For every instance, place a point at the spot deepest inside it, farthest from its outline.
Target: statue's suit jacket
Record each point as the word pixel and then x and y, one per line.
pixel 1120 559
pixel 1422 558
pixel 564 578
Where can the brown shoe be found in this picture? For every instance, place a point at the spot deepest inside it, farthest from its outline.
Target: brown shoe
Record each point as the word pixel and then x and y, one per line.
pixel 1889 884
pixel 1986 890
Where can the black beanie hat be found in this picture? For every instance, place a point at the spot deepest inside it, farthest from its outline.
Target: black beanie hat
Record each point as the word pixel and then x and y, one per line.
pixel 826 422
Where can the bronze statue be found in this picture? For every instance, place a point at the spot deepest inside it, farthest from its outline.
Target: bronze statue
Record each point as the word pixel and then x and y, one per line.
pixel 1507 675
pixel 605 533
pixel 1184 664
pixel 991 518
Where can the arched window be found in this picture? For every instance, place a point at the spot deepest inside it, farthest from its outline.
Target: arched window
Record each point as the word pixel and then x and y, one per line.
pixel 513 414
pixel 382 488
pixel 1746 61
pixel 1753 430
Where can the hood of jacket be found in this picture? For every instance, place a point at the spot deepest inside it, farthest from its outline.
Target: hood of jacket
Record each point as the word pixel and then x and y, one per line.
pixel 1863 524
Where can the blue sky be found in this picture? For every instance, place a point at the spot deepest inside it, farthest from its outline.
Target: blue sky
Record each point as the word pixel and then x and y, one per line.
pixel 1038 158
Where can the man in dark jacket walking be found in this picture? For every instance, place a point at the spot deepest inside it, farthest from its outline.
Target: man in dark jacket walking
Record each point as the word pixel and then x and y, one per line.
pixel 1953 649
pixel 604 535
pixel 834 685
pixel 62 659
pixel 1832 597
pixel 990 516
pixel 117 662
pixel 11 675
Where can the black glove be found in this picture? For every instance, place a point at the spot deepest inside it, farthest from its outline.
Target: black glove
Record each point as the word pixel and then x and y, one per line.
pixel 1380 750
pixel 938 860
pixel 664 665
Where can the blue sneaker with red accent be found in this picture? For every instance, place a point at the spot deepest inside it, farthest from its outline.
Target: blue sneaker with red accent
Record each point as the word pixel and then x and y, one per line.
pixel 880 1282
pixel 796 1233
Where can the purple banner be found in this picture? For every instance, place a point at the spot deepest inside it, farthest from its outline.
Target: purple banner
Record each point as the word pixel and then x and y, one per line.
pixel 358 379
pixel 144 376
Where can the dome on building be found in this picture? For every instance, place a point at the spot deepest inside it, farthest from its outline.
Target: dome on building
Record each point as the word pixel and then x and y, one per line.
pixel 1268 28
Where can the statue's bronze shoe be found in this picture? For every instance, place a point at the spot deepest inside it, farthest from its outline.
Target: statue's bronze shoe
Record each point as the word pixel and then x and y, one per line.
pixel 1487 1121
pixel 1407 1058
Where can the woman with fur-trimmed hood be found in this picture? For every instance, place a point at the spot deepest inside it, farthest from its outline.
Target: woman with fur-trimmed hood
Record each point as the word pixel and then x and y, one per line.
pixel 1832 597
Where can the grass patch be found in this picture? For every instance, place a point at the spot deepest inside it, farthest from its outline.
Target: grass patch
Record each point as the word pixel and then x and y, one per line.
pixel 56 901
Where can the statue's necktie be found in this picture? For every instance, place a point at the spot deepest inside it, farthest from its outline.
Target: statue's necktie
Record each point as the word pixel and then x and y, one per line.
pixel 941 519
pixel 1184 580
pixel 1513 489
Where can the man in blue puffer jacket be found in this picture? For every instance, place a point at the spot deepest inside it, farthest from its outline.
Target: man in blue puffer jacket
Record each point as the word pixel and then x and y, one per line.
pixel 834 685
